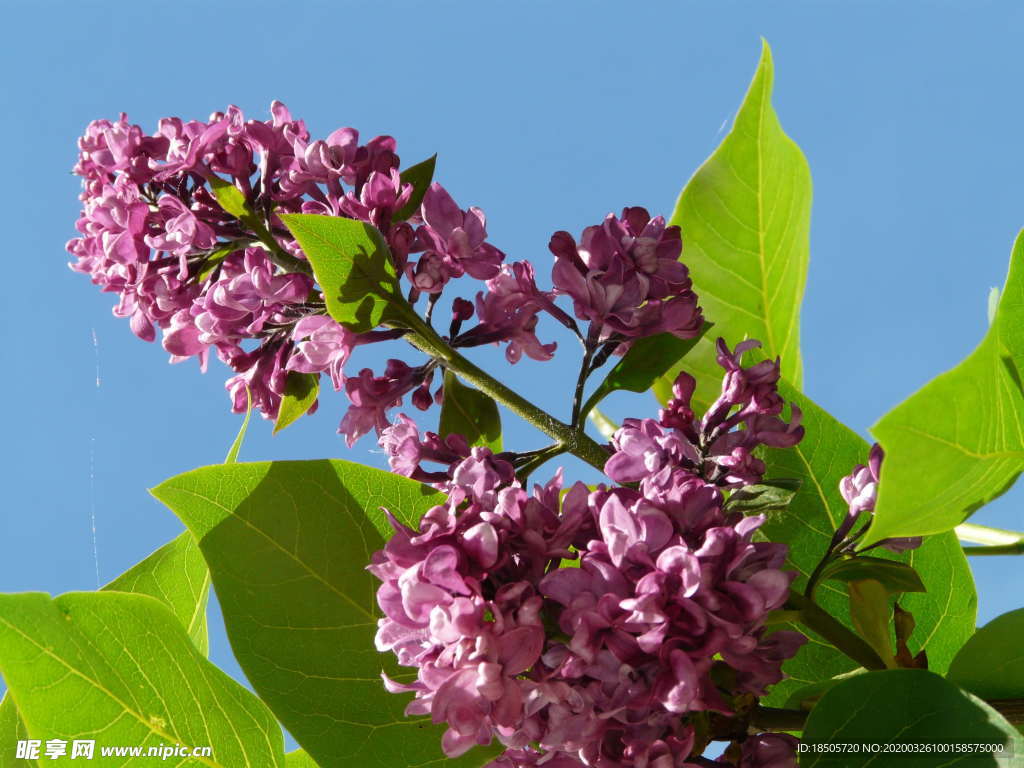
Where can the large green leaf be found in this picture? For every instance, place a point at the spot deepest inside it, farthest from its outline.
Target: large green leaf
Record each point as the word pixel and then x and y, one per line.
pixel 905 706
pixel 469 412
pixel 288 544
pixel 991 663
pixel 745 217
pixel 352 263
pixel 945 613
pixel 119 669
pixel 958 442
pixel 175 574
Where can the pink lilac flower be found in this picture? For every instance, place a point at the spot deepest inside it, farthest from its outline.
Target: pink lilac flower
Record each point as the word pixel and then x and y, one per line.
pixel 151 224
pixel 719 447
pixel 625 277
pixel 508 312
pixel 860 491
pixel 597 664
pixel 407 452
pixel 767 750
pixel 454 243
pixel 372 397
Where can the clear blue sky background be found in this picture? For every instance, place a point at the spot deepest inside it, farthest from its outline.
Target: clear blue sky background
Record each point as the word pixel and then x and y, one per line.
pixel 548 115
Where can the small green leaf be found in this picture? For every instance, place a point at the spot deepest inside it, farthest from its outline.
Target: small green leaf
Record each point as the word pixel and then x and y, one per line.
pixel 647 360
pixel 870 613
pixel 991 663
pixel 119 668
pixel 958 442
pixel 287 544
pixel 745 216
pixel 905 706
pixel 300 392
pixel 469 412
pixel 214 260
pixel 894 576
pixel 769 496
pixel 236 446
pixel 230 198
pixel 420 176
pixel 352 263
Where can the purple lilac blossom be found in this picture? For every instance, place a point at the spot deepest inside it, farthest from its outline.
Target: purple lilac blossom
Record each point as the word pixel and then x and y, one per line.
pixel 624 276
pixel 719 447
pixel 860 491
pixel 598 664
pixel 150 226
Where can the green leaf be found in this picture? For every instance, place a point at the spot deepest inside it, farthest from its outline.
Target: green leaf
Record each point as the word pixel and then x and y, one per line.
pixel 236 446
pixel 769 496
pixel 231 199
pixel 804 698
pixel 871 614
pixel 958 442
pixel 745 217
pixel 895 577
pixel 647 360
pixel 134 678
pixel 945 614
pixel 420 176
pixel 299 759
pixel 215 259
pixel 469 412
pixel 300 392
pixel 12 730
pixel 991 663
pixel 287 544
pixel 175 574
pixel 352 263
pixel 905 706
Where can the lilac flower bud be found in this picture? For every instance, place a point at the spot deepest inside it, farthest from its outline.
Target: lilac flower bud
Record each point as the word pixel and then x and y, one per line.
pixel 860 490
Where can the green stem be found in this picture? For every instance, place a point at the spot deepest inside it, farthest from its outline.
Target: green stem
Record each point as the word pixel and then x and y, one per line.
pixel 982 534
pixel 570 440
pixel 833 630
pixel 996 549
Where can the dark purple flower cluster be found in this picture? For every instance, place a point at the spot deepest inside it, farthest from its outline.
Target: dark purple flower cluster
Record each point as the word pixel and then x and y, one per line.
pixel 625 277
pixel 711 448
pixel 580 628
pixel 153 232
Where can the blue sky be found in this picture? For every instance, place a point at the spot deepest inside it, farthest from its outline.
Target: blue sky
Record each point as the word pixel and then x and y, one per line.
pixel 547 115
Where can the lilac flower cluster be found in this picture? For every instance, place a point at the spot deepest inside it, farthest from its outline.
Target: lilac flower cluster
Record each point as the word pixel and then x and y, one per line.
pixel 152 232
pixel 581 628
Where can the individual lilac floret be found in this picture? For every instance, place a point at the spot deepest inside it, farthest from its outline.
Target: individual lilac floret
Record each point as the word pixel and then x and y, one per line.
pixel 719 447
pixel 625 277
pixel 407 452
pixel 372 397
pixel 593 665
pixel 454 243
pixel 860 491
pixel 508 312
